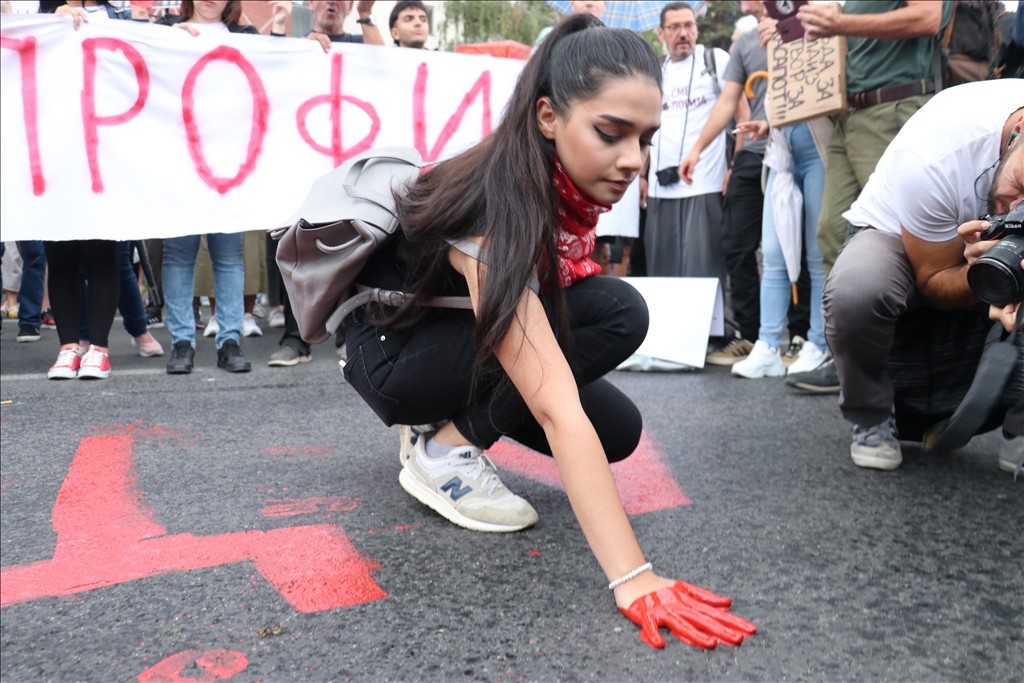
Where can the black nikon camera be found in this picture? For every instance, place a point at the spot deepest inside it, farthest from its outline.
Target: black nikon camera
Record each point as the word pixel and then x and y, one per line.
pixel 997 277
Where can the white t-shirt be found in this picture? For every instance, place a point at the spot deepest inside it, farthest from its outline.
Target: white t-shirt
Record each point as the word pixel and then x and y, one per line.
pixel 624 218
pixel 211 29
pixel 936 174
pixel 96 14
pixel 668 147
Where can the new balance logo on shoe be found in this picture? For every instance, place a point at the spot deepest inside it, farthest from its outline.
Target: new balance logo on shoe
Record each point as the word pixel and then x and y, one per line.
pixel 454 488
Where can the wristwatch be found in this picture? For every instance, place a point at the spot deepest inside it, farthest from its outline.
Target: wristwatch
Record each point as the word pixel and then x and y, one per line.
pixel 367 20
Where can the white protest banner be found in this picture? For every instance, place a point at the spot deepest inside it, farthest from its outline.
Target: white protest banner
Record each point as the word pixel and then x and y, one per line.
pixel 123 130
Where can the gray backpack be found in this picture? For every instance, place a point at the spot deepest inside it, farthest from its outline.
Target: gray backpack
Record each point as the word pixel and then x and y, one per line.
pixel 349 214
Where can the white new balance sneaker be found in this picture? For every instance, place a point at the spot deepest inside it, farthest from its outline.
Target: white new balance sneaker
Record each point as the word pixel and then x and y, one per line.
pixel 810 357
pixel 464 488
pixel 763 361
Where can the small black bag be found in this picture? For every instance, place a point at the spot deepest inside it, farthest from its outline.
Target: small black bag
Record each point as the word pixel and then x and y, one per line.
pixel 934 359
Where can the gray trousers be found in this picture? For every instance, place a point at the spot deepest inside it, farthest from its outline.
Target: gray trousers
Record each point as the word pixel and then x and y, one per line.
pixel 871 285
pixel 683 237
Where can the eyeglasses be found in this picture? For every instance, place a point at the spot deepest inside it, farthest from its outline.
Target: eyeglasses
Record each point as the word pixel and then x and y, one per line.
pixel 676 28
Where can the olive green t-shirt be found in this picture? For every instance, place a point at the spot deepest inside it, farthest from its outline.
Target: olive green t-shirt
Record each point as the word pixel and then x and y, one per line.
pixel 873 63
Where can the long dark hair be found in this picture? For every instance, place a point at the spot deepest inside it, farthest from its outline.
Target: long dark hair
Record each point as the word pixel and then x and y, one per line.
pixel 502 189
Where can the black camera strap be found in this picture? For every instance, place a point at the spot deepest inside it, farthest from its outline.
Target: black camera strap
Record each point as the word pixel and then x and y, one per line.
pixel 689 97
pixel 994 370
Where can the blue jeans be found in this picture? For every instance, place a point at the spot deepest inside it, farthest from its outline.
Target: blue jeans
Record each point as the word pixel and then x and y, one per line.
pixel 228 285
pixel 776 289
pixel 33 272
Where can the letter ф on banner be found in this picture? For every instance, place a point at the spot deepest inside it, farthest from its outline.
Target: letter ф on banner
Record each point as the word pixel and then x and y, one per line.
pixel 336 151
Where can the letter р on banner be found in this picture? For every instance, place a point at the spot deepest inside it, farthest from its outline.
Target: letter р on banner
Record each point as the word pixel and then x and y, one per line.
pixel 806 79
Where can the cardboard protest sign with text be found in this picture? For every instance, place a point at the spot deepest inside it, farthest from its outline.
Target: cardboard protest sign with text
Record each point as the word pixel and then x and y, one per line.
pixel 806 79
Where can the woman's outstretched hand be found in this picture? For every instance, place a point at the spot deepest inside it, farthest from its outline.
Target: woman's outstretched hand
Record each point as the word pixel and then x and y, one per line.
pixel 694 616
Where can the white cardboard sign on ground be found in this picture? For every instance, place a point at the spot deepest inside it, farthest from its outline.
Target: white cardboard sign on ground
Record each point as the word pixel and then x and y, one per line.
pixel 684 312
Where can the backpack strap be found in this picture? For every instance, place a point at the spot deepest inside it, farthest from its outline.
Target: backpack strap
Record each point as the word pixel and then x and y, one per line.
pixel 479 253
pixel 710 67
pixel 390 297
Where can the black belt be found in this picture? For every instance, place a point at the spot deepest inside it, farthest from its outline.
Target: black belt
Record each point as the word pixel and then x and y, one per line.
pixel 863 100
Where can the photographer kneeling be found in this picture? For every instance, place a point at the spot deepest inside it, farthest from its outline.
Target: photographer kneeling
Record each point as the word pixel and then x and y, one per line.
pixel 960 157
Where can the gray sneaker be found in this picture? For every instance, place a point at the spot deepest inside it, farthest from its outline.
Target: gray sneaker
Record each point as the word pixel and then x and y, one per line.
pixel 876 447
pixel 287 356
pixel 464 488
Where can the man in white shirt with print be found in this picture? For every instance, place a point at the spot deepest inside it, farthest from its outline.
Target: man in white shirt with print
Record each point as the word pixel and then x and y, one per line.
pixel 916 233
pixel 684 221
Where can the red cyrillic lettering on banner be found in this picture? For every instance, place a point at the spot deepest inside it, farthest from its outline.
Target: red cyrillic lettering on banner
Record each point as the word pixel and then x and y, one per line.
pixel 106 535
pixel 645 481
pixel 26 50
pixel 336 151
pixel 90 120
pixel 217 665
pixel 260 113
pixel 419 113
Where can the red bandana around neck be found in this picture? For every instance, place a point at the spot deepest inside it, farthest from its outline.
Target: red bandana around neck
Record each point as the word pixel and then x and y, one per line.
pixel 576 234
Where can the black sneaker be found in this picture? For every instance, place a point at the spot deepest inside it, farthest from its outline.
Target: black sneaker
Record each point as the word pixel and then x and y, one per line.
pixel 28 333
pixel 182 359
pixel 824 379
pixel 231 359
pixel 46 318
pixel 154 319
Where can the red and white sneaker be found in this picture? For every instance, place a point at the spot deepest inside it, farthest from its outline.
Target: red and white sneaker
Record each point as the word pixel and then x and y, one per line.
pixel 69 361
pixel 95 365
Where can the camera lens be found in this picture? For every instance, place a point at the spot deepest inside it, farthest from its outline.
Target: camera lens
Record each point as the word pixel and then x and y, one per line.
pixel 997 277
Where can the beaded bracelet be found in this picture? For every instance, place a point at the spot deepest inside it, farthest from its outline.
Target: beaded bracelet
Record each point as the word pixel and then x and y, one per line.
pixel 632 575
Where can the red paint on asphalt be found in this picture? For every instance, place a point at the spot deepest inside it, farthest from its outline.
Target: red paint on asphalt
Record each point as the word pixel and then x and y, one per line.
pixel 645 481
pixel 288 507
pixel 106 535
pixel 217 665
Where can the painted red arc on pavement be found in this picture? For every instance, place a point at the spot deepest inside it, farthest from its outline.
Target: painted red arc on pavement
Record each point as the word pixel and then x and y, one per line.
pixel 106 534
pixel 644 479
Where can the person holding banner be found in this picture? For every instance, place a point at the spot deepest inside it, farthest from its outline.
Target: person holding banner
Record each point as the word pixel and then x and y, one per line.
pixel 409 24
pixel 329 22
pixel 528 361
pixel 213 16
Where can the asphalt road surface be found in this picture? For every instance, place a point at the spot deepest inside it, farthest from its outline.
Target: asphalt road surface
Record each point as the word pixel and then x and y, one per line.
pixel 252 528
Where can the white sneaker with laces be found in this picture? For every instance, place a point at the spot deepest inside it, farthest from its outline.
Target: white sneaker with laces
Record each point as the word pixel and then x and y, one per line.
pixel 763 361
pixel 249 326
pixel 876 447
pixel 1010 453
pixel 276 318
pixel 810 357
pixel 464 488
pixel 212 328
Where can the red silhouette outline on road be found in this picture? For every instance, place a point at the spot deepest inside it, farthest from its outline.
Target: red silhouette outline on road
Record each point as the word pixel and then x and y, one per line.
pixel 106 535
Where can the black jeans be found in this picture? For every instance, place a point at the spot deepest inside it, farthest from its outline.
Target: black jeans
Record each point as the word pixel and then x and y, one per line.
pixel 425 374
pixel 741 237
